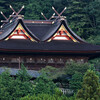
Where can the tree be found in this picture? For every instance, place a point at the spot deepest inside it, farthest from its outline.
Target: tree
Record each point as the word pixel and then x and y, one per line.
pixel 91 88
pixel 3 5
pixel 52 72
pixel 92 13
pixel 34 9
pixel 76 81
pixel 76 17
pixel 73 67
pixel 22 74
pixel 13 89
pixel 5 80
pixel 44 85
pixel 96 63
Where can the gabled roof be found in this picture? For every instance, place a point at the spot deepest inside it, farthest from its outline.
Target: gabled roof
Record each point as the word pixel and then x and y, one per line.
pixel 61 22
pixel 38 30
pixel 42 31
pixel 11 26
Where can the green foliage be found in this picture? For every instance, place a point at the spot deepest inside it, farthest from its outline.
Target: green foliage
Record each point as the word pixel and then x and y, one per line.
pixel 13 89
pixel 96 62
pixel 44 85
pixel 2 3
pixel 96 66
pixel 52 72
pixel 45 97
pixel 5 80
pixel 92 13
pixel 73 67
pixel 58 92
pixel 90 88
pixel 94 39
pixel 76 81
pixel 76 71
pixel 23 74
pixel 76 16
pixel 32 10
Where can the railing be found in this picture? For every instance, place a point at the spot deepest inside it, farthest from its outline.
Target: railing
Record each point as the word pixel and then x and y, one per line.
pixel 66 91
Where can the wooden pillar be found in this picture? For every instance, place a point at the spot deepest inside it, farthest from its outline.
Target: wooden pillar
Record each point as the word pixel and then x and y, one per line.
pixel 19 62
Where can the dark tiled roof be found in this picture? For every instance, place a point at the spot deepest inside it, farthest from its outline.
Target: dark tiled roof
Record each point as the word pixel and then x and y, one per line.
pixel 55 46
pixel 45 31
pixel 40 30
pixel 10 27
pixel 14 71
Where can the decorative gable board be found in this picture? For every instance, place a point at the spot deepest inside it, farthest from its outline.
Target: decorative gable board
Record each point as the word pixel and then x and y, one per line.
pixel 63 34
pixel 19 33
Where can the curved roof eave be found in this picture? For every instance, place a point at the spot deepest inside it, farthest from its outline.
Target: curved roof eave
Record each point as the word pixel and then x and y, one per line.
pixel 59 23
pixel 28 31
pixel 72 33
pixel 52 31
pixel 8 30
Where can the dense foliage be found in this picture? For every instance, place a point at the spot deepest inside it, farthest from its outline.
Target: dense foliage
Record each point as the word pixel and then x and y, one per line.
pixel 82 15
pixel 69 76
pixel 13 89
pixel 44 85
pixel 73 67
pixel 76 81
pixel 90 88
pixel 22 87
pixel 45 97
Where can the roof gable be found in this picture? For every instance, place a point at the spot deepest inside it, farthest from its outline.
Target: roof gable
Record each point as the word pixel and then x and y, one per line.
pixel 40 31
pixel 19 33
pixel 56 27
pixel 8 30
pixel 62 34
pixel 74 35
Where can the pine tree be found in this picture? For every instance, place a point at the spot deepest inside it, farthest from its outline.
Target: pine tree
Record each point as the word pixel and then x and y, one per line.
pixel 90 88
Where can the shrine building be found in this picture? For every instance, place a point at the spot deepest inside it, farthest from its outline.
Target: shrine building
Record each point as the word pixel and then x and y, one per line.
pixel 39 43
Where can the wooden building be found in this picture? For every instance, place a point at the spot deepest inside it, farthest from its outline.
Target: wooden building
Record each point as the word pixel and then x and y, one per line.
pixel 38 43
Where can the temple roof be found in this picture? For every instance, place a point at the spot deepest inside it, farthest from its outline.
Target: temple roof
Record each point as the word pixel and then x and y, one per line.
pixel 42 31
pixel 11 26
pixel 39 30
pixel 26 46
